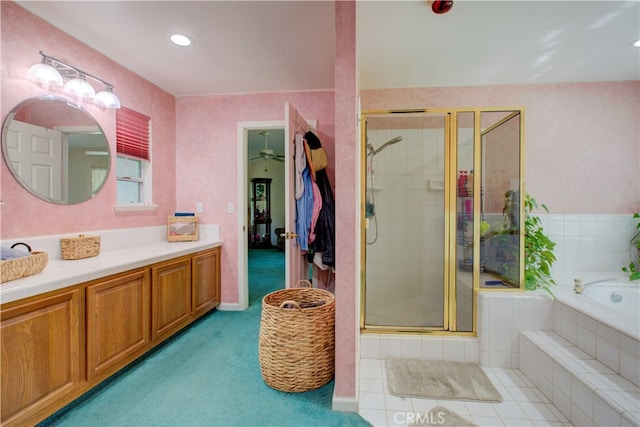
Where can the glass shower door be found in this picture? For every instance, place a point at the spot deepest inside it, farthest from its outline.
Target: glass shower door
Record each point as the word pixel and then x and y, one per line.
pixel 405 214
pixel 442 215
pixel 465 195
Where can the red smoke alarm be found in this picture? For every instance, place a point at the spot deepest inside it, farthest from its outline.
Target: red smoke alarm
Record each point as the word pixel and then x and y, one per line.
pixel 440 6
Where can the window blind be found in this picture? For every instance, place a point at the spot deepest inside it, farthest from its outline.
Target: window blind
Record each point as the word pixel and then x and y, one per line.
pixel 132 133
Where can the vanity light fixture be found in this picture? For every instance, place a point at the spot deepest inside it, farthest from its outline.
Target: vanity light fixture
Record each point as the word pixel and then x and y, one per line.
pixel 53 72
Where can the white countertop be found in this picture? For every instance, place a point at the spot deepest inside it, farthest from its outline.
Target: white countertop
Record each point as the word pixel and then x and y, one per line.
pixel 60 274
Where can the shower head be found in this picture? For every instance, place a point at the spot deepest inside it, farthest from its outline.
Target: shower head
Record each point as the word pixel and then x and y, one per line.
pixel 386 144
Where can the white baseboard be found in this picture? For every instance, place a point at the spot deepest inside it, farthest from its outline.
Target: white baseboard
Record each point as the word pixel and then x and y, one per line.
pixel 344 404
pixel 225 306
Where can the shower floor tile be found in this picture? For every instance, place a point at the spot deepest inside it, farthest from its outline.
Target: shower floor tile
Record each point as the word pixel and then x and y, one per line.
pixel 522 405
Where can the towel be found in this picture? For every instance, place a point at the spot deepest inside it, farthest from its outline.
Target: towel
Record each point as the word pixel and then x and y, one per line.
pixel 8 253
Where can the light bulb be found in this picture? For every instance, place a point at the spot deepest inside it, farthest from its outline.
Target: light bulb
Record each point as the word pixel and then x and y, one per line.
pixel 44 74
pixel 107 99
pixel 181 40
pixel 80 88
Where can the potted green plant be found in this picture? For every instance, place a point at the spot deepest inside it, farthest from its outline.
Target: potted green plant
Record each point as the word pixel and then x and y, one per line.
pixel 633 270
pixel 538 249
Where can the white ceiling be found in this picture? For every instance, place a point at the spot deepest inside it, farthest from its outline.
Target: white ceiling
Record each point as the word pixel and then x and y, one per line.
pixel 404 44
pixel 267 46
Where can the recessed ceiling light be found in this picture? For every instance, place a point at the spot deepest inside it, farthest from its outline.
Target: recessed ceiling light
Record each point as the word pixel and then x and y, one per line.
pixel 181 40
pixel 637 44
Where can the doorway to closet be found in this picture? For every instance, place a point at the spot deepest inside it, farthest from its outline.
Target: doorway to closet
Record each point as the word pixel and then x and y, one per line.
pixel 295 269
pixel 265 209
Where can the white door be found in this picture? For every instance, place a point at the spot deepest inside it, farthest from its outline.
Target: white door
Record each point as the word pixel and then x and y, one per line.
pixel 36 157
pixel 296 265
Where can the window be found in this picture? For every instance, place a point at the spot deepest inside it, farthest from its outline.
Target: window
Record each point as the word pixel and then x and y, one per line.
pixel 133 163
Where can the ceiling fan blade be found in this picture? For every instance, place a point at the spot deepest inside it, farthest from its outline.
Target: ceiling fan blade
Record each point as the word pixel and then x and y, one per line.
pixel 256 158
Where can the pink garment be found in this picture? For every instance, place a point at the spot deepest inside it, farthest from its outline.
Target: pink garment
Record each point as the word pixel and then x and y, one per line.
pixel 317 205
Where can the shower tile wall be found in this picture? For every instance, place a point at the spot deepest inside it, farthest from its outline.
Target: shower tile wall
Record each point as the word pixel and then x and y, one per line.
pixel 404 266
pixel 590 243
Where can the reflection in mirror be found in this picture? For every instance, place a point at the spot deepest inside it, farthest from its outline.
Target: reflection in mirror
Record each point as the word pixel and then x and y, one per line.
pixel 56 150
pixel 501 154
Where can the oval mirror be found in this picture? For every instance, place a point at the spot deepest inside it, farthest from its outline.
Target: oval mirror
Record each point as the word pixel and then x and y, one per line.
pixel 56 150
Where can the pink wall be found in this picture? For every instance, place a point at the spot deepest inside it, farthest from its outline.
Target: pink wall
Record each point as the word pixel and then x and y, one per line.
pixel 207 158
pixel 347 223
pixel 582 140
pixel 23 35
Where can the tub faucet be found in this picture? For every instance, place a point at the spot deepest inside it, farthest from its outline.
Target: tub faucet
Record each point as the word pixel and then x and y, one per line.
pixel 578 286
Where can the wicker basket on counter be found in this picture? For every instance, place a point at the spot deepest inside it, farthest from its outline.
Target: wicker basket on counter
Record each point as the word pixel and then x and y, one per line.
pixel 182 228
pixel 28 265
pixel 80 247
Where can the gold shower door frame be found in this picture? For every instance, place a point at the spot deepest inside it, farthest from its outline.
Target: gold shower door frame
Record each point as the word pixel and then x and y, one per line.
pixel 450 271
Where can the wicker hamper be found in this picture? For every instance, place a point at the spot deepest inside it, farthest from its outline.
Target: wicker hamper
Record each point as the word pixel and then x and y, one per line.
pixel 297 338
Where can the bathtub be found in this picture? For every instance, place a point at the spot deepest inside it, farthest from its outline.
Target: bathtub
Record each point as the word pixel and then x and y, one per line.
pixel 609 298
pixel 623 297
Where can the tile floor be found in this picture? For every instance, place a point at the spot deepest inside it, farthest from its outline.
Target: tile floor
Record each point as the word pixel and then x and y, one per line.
pixel 523 404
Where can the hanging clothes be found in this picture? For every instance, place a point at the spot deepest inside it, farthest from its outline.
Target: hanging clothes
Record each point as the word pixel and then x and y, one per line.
pixel 304 210
pixel 324 241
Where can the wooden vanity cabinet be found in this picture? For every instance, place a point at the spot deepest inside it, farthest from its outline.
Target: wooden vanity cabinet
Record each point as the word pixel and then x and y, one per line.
pixel 183 289
pixel 117 321
pixel 205 275
pixel 56 346
pixel 170 296
pixel 41 341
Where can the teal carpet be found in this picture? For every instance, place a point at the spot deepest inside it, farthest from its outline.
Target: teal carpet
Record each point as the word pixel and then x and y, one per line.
pixel 208 375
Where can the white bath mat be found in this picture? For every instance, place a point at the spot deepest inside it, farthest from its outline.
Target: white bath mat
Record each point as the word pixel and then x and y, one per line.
pixel 434 379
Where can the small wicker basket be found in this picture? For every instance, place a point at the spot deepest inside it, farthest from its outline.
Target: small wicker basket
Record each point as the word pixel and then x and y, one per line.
pixel 18 268
pixel 182 228
pixel 80 247
pixel 297 338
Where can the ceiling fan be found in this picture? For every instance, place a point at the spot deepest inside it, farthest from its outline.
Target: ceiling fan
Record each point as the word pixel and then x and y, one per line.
pixel 266 153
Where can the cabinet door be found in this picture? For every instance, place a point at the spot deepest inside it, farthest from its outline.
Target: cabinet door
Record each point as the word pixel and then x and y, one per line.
pixel 41 358
pixel 171 296
pixel 205 269
pixel 117 321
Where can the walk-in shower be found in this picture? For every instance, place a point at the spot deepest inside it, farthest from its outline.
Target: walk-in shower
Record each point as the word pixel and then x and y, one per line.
pixel 371 197
pixel 424 201
pixel 404 238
